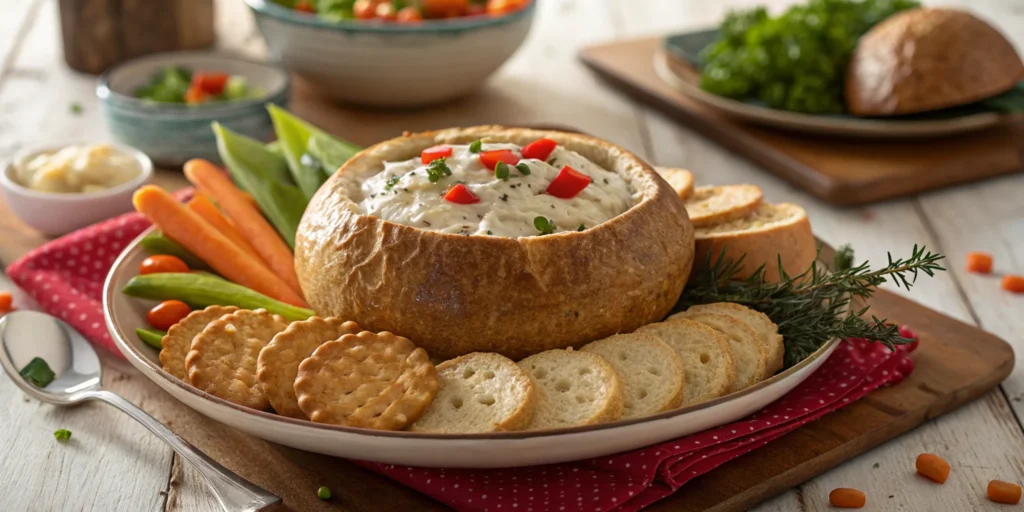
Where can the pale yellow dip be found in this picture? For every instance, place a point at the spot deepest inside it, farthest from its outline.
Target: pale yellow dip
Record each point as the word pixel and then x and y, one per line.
pixel 76 169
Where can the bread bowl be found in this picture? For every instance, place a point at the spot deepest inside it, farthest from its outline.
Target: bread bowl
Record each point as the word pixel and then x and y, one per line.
pixel 927 59
pixel 472 292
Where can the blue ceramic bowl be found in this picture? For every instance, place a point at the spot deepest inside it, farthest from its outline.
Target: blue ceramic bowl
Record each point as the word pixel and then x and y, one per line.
pixel 170 133
pixel 386 64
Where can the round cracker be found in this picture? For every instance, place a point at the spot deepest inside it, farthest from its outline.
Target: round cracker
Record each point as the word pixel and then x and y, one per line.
pixel 178 340
pixel 367 380
pixel 222 360
pixel 278 364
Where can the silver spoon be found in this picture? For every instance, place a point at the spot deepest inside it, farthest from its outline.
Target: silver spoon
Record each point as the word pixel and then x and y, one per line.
pixel 25 335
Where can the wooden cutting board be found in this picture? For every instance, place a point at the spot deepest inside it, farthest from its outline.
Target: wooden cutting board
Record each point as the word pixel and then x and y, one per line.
pixel 837 170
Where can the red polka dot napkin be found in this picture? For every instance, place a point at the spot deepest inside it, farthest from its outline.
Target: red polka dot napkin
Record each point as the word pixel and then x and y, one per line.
pixel 66 275
pixel 632 480
pixel 66 278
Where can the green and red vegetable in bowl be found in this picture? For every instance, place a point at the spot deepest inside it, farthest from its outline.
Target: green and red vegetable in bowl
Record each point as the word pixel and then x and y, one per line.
pixel 402 11
pixel 175 84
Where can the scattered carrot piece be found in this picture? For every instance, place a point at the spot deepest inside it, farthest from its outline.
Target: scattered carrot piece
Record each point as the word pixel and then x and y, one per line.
pixel 263 237
pixel 167 313
pixel 162 263
pixel 192 232
pixel 979 262
pixel 1004 492
pixel 933 467
pixel 6 302
pixel 209 212
pixel 844 497
pixel 1014 284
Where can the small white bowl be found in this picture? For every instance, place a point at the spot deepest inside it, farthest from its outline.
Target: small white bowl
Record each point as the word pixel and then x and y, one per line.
pixel 54 213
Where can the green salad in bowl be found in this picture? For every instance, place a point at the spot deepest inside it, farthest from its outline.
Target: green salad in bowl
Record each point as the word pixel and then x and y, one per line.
pixel 178 84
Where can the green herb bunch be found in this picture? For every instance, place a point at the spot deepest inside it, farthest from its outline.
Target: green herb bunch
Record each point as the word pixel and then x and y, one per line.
pixel 796 61
pixel 817 305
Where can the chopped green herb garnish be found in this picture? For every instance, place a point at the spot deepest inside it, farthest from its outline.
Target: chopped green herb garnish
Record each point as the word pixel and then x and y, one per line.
pixel 476 146
pixel 543 224
pixel 62 434
pixel 501 171
pixel 581 228
pixel 489 232
pixel 392 181
pixel 37 372
pixel 324 493
pixel 523 168
pixel 438 169
pixel 77 108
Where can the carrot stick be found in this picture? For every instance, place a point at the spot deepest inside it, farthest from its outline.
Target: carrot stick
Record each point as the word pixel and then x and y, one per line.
pixel 250 221
pixel 195 234
pixel 206 209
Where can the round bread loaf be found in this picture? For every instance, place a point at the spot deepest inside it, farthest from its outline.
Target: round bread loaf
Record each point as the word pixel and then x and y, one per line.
pixel 928 59
pixel 454 294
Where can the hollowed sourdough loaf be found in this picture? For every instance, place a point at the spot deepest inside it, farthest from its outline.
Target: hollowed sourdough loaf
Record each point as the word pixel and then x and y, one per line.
pixel 455 294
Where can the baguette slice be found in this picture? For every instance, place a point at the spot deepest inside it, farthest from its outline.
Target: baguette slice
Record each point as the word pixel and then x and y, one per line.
pixel 705 354
pixel 573 388
pixel 479 392
pixel 750 356
pixel 652 374
pixel 714 205
pixel 681 180
pixel 766 330
pixel 772 231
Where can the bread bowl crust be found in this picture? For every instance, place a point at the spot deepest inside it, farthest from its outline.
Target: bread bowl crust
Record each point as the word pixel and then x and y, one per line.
pixel 455 294
pixel 927 59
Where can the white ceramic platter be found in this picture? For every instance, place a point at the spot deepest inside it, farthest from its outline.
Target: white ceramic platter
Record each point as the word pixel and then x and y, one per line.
pixel 124 314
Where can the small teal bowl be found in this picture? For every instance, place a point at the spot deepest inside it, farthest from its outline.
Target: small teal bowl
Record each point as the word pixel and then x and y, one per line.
pixel 392 65
pixel 171 134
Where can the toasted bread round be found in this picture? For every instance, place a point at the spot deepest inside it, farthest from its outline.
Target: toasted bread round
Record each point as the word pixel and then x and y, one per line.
pixel 222 360
pixel 713 205
pixel 278 364
pixel 573 388
pixel 766 330
pixel 747 352
pixel 438 288
pixel 370 380
pixel 927 59
pixel 479 392
pixel 681 180
pixel 178 341
pixel 772 231
pixel 651 372
pixel 704 353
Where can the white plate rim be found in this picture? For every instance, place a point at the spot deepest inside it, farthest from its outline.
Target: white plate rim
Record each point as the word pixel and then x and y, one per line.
pixel 120 272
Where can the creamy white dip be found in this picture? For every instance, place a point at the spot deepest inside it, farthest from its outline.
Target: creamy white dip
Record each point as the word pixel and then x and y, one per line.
pixel 77 169
pixel 403 193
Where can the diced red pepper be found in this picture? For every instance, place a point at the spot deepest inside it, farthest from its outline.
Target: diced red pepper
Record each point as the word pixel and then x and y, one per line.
pixel 490 159
pixel 304 6
pixel 568 183
pixel 539 149
pixel 433 153
pixel 195 94
pixel 459 194
pixel 210 83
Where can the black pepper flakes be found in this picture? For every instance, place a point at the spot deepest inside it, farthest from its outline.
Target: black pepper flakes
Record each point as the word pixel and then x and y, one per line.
pixel 427 223
pixel 503 197
pixel 605 181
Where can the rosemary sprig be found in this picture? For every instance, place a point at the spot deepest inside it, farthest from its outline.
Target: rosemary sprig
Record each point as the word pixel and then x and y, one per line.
pixel 817 305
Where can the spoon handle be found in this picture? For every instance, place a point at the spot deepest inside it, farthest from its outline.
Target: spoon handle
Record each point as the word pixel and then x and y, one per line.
pixel 234 493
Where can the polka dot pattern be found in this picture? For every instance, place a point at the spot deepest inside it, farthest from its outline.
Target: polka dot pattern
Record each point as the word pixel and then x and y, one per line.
pixel 633 480
pixel 65 276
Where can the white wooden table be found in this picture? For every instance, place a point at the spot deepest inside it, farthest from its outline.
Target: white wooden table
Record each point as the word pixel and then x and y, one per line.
pixel 113 464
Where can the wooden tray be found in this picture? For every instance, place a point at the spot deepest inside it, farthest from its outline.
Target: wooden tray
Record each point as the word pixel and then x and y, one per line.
pixel 955 363
pixel 837 170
